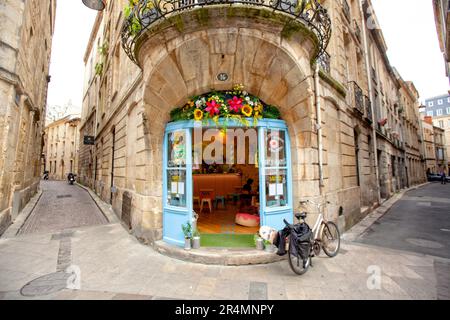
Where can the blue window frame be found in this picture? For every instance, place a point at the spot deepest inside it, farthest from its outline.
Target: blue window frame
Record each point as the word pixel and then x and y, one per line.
pixel 275 170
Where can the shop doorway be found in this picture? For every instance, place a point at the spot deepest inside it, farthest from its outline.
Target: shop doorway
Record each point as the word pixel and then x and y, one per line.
pixel 196 173
pixel 226 181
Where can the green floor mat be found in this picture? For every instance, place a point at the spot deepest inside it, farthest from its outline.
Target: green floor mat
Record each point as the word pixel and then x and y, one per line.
pixel 227 240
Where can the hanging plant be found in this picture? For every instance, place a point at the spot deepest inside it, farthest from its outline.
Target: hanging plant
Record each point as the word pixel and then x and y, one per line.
pixel 135 25
pixel 236 105
pixel 103 49
pixel 99 68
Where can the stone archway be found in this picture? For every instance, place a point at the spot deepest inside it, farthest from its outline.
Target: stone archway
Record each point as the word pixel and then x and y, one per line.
pixel 274 69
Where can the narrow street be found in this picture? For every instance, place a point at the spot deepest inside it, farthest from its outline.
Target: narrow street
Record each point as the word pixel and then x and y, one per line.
pixel 62 206
pixel 71 236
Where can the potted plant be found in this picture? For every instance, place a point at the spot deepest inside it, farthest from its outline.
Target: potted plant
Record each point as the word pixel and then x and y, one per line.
pixel 259 242
pixel 269 247
pixel 187 231
pixel 196 240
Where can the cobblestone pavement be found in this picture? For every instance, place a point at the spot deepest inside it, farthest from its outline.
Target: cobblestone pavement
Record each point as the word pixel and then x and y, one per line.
pixel 106 262
pixel 62 206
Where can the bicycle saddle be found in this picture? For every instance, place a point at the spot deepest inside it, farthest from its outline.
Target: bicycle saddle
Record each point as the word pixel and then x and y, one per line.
pixel 301 216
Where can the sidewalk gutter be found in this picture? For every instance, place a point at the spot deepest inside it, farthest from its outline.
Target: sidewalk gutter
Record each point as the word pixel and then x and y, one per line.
pixel 23 216
pixel 105 208
pixel 359 229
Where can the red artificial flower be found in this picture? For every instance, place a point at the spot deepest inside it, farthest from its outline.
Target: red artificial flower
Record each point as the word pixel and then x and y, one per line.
pixel 235 104
pixel 213 108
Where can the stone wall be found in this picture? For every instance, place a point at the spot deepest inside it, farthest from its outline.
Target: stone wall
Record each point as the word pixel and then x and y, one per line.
pixel 182 57
pixel 25 26
pixel 62 148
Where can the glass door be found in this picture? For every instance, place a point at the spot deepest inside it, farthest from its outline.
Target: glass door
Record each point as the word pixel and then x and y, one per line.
pixel 177 184
pixel 275 176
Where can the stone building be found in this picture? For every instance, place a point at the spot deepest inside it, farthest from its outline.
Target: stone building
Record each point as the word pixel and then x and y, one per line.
pixel 62 139
pixel 440 147
pixel 326 71
pixel 442 27
pixel 439 108
pixel 430 155
pixel 25 27
pixel 412 133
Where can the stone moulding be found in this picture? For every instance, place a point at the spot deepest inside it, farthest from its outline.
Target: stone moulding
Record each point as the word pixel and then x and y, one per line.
pixel 333 83
pixel 151 16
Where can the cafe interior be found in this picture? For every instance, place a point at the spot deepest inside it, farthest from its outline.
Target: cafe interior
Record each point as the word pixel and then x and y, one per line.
pixel 226 196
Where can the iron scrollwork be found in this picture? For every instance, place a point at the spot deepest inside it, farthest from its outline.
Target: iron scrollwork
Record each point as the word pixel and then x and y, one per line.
pixel 146 13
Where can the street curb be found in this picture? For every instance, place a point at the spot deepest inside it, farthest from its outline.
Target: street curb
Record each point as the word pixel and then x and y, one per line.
pixel 106 209
pixel 359 229
pixel 218 256
pixel 23 216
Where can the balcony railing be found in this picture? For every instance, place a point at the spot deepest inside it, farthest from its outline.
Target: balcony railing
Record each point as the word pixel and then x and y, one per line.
pixel 374 75
pixel 358 97
pixel 347 11
pixel 368 107
pixel 324 62
pixel 357 31
pixel 147 13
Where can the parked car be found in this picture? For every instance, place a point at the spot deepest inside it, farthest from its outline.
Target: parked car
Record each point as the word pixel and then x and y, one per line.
pixel 433 177
pixel 436 178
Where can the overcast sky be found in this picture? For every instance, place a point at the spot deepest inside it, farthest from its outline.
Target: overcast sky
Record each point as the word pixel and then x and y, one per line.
pixel 408 27
pixel 413 48
pixel 73 27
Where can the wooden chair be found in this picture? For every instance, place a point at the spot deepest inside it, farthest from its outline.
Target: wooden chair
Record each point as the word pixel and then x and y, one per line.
pixel 207 196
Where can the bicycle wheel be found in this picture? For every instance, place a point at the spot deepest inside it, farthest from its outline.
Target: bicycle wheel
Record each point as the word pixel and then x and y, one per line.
pixel 297 265
pixel 331 239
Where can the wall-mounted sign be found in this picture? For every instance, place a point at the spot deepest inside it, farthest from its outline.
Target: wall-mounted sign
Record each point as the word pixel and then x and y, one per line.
pixel 222 77
pixel 89 140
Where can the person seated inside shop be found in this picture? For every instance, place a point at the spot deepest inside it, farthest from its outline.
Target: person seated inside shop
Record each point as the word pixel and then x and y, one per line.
pixel 246 198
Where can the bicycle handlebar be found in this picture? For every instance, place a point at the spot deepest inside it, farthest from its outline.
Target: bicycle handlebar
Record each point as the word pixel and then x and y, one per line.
pixel 287 223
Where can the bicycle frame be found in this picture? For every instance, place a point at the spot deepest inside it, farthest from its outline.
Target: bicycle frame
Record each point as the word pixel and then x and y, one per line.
pixel 320 223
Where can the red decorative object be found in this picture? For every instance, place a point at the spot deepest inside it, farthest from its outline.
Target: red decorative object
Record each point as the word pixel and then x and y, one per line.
pixel 382 122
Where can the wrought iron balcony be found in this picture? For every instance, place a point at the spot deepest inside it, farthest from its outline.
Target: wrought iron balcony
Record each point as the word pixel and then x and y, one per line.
pixel 368 107
pixel 347 11
pixel 358 97
pixel 357 31
pixel 146 14
pixel 324 62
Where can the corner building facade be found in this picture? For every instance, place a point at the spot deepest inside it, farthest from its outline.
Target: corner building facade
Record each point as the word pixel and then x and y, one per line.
pixel 314 68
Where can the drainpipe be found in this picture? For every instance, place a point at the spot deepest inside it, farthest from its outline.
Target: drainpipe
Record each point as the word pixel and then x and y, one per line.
pixel 369 81
pixel 319 126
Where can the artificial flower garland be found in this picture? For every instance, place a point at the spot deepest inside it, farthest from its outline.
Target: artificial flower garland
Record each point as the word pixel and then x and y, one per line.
pixel 237 105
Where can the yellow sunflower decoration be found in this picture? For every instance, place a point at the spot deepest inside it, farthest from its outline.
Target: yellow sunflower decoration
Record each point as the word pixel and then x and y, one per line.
pixel 247 111
pixel 198 115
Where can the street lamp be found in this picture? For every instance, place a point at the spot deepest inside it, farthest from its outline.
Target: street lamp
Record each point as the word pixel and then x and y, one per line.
pixel 98 5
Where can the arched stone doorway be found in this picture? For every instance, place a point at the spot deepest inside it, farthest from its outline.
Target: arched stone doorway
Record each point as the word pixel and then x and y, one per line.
pixel 274 69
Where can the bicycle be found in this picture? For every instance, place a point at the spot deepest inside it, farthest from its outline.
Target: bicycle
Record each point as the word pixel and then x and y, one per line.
pixel 325 236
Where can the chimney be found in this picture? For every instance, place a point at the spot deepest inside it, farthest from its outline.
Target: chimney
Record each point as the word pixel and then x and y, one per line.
pixel 428 120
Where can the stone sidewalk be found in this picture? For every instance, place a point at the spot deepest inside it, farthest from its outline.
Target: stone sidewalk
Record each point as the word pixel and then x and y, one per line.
pixel 113 264
pixel 104 261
